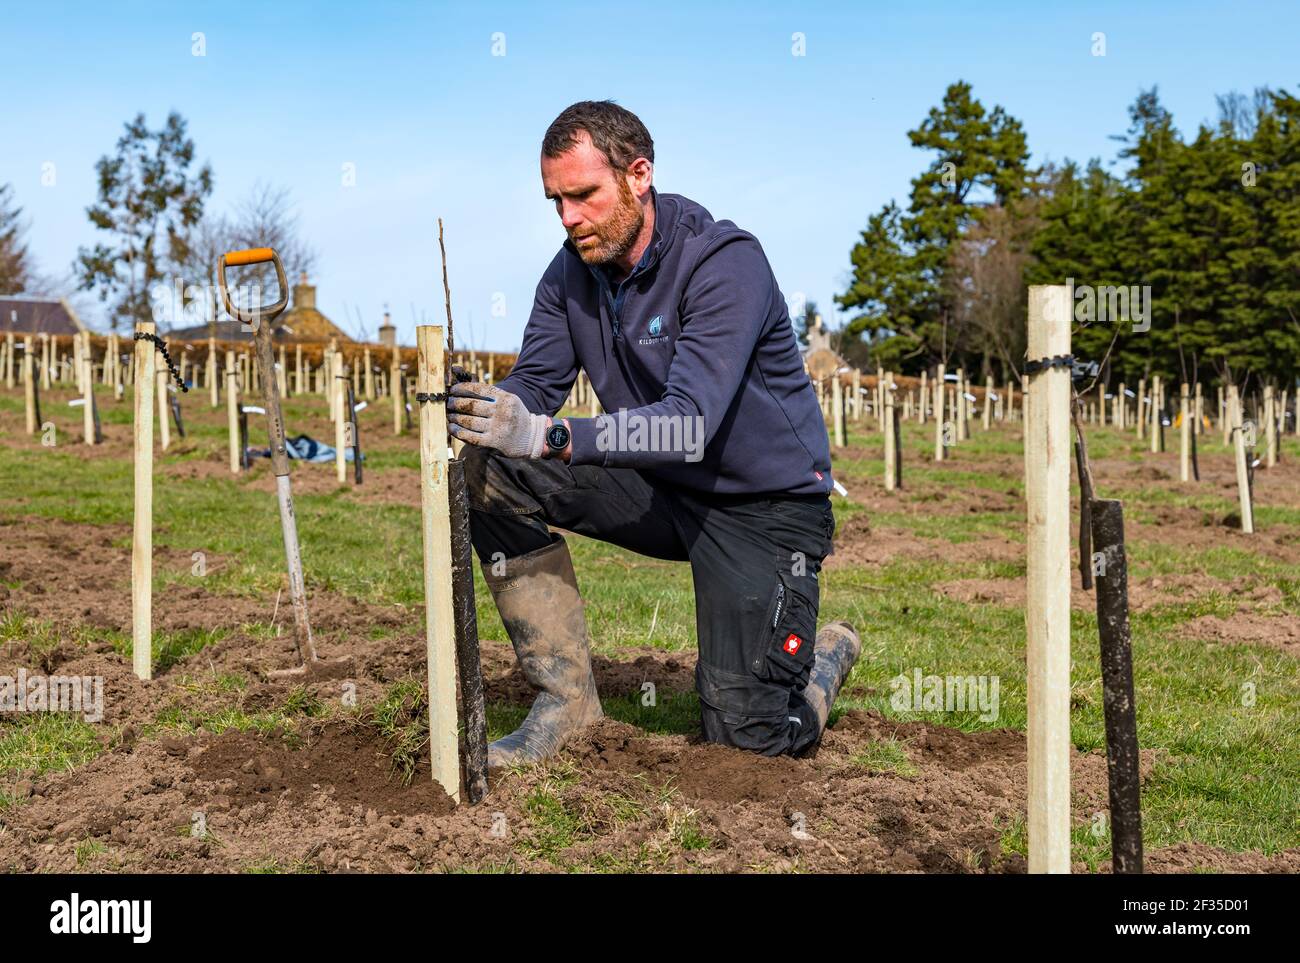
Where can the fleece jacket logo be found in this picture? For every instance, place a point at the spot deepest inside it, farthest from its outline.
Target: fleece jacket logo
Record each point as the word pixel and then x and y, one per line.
pixel 655 328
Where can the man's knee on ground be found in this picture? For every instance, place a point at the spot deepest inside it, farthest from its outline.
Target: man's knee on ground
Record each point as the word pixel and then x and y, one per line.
pixel 764 735
pixel 747 713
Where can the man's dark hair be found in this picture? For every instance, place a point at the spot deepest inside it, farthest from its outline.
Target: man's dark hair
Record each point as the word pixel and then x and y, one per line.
pixel 615 131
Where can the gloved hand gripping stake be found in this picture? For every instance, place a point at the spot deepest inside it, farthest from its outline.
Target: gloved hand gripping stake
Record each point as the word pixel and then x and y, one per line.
pixel 260 319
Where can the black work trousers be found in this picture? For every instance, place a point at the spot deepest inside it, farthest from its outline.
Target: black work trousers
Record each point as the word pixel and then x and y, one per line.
pixel 754 562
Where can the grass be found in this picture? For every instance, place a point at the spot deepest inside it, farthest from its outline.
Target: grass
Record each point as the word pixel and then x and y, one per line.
pixel 87 850
pixel 35 743
pixel 674 713
pixel 40 638
pixel 274 866
pixel 562 816
pixel 1089 842
pixel 179 720
pixel 183 719
pixel 37 635
pixel 886 756
pixel 402 717
pixel 1218 777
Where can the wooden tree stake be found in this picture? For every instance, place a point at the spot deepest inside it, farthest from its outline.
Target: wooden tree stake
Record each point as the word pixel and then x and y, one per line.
pixel 87 380
pixel 232 413
pixel 1270 427
pixel 1225 417
pixel 395 388
pixel 1047 490
pixel 1156 414
pixel 142 540
pixel 1243 469
pixel 29 384
pixel 938 415
pixel 440 629
pixel 1184 434
pixel 339 400
pixel 164 427
pixel 214 396
pixel 891 442
pixel 963 406
pixel 837 411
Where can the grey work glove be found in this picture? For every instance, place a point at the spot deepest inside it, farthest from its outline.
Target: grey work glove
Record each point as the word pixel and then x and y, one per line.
pixel 482 414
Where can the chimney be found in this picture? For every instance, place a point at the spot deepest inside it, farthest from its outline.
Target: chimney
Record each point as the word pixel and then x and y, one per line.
pixel 304 294
pixel 387 333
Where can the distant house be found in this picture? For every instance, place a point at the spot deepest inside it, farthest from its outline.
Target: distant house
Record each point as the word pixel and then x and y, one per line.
pixel 302 323
pixel 819 358
pixel 29 314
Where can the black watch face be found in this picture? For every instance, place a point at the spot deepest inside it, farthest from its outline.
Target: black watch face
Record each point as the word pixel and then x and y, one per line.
pixel 557 438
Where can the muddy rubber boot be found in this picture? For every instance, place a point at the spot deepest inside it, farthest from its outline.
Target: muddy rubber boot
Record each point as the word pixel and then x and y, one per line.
pixel 836 652
pixel 542 611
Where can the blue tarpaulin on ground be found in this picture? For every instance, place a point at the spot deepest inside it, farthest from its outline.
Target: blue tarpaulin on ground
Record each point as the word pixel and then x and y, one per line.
pixel 305 448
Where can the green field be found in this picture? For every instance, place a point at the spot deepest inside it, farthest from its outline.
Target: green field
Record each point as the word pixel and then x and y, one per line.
pixel 1225 772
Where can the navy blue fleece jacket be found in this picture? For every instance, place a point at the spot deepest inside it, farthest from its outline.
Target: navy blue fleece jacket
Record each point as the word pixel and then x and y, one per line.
pixel 698 330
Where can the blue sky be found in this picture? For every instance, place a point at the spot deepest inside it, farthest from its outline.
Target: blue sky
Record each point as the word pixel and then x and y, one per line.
pixel 798 150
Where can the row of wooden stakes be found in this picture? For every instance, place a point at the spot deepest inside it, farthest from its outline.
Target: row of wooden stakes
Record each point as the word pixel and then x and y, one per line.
pixel 951 402
pixel 39 362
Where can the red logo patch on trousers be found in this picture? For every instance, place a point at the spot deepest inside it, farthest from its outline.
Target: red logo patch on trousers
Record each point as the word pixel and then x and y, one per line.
pixel 792 644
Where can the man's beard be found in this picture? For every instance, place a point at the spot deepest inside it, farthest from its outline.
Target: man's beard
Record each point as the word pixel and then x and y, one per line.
pixel 618 233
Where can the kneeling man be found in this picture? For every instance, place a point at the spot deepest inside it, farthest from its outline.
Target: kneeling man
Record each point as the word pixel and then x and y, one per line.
pixel 713 452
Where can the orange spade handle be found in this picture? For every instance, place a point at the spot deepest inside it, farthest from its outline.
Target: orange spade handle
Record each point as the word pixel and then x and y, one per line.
pixel 254 255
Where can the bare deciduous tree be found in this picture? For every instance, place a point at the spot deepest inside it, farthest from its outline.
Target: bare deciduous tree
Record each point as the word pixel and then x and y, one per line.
pixel 987 268
pixel 265 217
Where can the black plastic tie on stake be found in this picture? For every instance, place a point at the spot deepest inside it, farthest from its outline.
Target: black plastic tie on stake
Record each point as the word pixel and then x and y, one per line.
pixel 1079 370
pixel 1060 361
pixel 424 397
pixel 161 345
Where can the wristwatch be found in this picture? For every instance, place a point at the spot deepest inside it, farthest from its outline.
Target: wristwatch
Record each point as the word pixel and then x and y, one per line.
pixel 557 439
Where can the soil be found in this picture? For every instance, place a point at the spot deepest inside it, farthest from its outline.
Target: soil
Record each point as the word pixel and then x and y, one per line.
pixel 394 486
pixel 860 542
pixel 327 800
pixel 1143 594
pixel 327 796
pixel 1279 631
